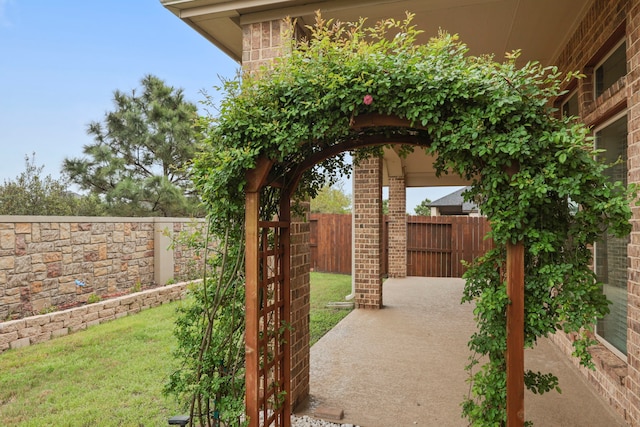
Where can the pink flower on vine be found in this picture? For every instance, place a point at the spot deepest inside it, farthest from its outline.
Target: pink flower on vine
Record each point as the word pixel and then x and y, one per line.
pixel 368 99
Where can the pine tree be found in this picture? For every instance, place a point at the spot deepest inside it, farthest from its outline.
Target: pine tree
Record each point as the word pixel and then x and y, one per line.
pixel 139 160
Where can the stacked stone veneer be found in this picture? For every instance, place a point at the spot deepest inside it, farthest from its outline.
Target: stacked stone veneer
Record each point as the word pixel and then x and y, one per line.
pixel 52 263
pixel 35 329
pixel 605 23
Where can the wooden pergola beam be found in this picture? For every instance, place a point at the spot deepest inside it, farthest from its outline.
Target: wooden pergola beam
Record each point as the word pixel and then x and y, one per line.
pixel 257 176
pixel 515 334
pixel 515 327
pixel 261 272
pixel 252 353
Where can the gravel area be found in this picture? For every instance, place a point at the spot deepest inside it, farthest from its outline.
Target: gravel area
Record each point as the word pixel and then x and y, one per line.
pixel 306 421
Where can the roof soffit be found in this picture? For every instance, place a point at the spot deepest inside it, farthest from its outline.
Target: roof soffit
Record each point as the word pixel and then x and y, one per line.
pixel 538 27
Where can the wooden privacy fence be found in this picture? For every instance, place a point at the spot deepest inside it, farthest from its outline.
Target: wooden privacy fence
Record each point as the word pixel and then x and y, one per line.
pixel 330 243
pixel 436 245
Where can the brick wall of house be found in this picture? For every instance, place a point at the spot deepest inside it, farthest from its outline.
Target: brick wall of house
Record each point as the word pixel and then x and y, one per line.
pixel 633 116
pixel 367 248
pixel 52 263
pixel 605 23
pixel 397 228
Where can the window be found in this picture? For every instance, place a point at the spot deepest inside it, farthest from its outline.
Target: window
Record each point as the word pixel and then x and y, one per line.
pixel 611 68
pixel 611 251
pixel 569 107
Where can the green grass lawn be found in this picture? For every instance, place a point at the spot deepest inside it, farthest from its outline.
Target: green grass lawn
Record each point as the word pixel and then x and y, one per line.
pixel 112 374
pixel 109 375
pixel 325 288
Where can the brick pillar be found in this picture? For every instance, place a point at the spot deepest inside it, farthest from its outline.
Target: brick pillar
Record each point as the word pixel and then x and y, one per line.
pixel 261 43
pixel 397 227
pixel 367 247
pixel 632 381
pixel 300 292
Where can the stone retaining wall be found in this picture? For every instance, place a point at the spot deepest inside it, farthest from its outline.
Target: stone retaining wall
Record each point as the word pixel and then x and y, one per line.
pixel 49 264
pixel 35 329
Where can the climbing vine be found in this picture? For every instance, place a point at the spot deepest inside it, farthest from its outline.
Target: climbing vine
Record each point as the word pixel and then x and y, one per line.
pixel 533 173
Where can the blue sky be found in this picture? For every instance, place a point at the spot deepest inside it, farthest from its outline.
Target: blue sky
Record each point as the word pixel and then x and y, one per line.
pixel 61 61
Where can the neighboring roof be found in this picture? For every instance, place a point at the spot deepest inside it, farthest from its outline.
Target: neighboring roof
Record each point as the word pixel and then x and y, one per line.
pixel 455 199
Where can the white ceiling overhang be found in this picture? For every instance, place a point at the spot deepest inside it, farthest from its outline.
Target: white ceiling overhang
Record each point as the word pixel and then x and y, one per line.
pixel 416 168
pixel 538 27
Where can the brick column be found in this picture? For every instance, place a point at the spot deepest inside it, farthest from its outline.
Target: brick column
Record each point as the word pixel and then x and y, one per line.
pixel 261 43
pixel 367 247
pixel 397 227
pixel 300 292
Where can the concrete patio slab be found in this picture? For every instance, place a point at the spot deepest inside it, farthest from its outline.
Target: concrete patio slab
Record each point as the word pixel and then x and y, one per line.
pixel 403 365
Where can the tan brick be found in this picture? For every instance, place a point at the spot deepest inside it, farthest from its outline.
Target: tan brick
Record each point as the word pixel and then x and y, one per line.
pixel 98 238
pixel 22 342
pixel 107 312
pixel 65 231
pixel 59 332
pixel 8 337
pixel 52 257
pixel 99 272
pixel 50 327
pixel 90 317
pixel 7 262
pixel 23 228
pixel 79 327
pixel 7 239
pixel 93 323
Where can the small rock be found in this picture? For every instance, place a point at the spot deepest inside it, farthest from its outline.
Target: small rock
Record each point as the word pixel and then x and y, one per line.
pixel 306 421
